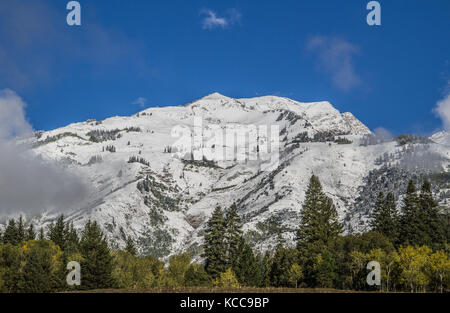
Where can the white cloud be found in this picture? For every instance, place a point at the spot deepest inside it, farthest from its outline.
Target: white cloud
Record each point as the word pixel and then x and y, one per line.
pixel 442 109
pixel 27 183
pixel 335 58
pixel 211 20
pixel 140 101
pixel 383 133
pixel 12 116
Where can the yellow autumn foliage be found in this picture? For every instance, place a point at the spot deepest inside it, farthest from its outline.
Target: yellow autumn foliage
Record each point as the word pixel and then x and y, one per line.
pixel 227 279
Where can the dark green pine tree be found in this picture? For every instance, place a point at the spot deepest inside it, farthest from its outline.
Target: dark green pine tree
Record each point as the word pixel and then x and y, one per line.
pixel 71 240
pixel 281 263
pixel 41 235
pixel 379 205
pixel 40 273
pixel 196 276
pixel 21 232
pixel 384 216
pixel 130 247
pixel 246 265
pixel 57 232
pixel 265 266
pixel 215 246
pixel 433 226
pixel 49 230
pixel 319 219
pixel 325 269
pixel 11 234
pixel 31 234
pixel 410 223
pixel 261 278
pixel 97 264
pixel 233 235
pixel 36 272
pixel 11 268
pixel 319 228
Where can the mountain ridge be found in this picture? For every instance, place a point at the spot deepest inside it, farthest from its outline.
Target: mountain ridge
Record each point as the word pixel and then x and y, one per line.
pixel 148 192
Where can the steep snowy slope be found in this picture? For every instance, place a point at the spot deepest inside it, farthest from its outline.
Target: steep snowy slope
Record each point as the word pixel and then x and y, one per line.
pixel 442 138
pixel 143 183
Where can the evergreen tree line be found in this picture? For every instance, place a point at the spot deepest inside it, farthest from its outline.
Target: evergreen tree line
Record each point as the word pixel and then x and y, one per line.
pixel 410 243
pixel 418 223
pixel 31 262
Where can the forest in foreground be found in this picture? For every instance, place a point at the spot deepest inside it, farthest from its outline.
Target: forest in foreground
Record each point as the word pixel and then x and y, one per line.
pixel 410 243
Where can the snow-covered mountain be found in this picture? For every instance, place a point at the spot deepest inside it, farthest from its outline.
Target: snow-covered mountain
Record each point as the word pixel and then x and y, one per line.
pixel 143 186
pixel 442 138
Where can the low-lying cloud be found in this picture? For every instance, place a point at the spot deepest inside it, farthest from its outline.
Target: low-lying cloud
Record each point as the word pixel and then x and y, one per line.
pixel 28 184
pixel 335 58
pixel 383 134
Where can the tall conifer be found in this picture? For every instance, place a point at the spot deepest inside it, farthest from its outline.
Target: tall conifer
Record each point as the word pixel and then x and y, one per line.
pixel 384 216
pixel 233 235
pixel 97 264
pixel 432 226
pixel 319 219
pixel 31 234
pixel 11 234
pixel 21 235
pixel 130 246
pixel 215 245
pixel 410 220
pixel 57 232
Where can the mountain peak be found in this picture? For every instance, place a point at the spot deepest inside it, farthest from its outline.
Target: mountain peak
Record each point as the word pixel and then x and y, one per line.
pixel 215 96
pixel 209 101
pixel 322 114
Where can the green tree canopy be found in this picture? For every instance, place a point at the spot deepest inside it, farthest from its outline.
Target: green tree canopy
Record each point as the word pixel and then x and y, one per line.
pixel 97 264
pixel 215 244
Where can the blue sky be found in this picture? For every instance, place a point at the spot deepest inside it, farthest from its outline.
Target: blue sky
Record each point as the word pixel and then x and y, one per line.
pixel 132 53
